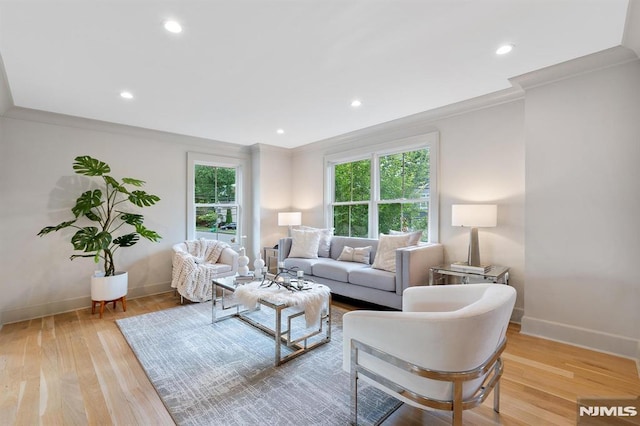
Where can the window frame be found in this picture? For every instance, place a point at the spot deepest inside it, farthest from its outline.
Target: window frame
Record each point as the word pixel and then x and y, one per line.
pixel 428 141
pixel 194 159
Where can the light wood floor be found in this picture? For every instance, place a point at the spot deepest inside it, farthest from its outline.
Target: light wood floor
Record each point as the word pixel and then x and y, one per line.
pixel 74 368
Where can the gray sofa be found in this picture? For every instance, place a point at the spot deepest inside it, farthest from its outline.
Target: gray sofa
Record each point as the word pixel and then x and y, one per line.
pixel 362 282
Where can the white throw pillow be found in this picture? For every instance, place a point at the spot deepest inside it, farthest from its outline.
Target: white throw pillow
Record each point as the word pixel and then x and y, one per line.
pixel 325 239
pixel 386 254
pixel 358 254
pixel 305 243
pixel 415 236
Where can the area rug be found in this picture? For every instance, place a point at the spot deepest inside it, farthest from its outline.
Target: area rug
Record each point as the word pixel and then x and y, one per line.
pixel 223 374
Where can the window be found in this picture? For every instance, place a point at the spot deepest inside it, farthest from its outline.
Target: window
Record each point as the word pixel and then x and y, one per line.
pixel 214 211
pixel 386 190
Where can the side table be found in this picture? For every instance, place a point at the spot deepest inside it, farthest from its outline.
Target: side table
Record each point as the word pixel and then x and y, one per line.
pixel 440 275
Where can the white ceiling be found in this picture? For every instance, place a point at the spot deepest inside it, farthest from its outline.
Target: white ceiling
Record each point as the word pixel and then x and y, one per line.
pixel 243 68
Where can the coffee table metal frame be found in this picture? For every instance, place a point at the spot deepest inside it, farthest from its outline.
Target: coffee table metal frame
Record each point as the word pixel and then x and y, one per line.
pixel 300 345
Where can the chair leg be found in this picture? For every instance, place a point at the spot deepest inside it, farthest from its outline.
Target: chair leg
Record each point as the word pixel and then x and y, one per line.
pixel 354 385
pixel 496 397
pixel 457 403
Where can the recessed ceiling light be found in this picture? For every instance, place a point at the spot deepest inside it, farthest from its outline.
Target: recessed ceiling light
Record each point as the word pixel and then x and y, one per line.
pixel 280 131
pixel 173 27
pixel 126 95
pixel 356 103
pixel 504 49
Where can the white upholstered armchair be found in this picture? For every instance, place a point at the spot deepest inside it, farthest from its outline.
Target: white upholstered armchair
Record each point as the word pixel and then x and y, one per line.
pixel 196 263
pixel 442 351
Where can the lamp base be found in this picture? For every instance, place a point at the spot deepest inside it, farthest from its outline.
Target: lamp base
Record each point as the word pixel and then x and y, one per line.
pixel 473 258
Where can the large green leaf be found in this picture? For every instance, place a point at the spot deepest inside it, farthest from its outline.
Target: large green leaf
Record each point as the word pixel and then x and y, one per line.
pixel 142 199
pixel 114 183
pixel 127 240
pixel 90 239
pixel 132 218
pixel 148 233
pixel 92 216
pixel 134 182
pixel 47 229
pixel 88 166
pixel 86 202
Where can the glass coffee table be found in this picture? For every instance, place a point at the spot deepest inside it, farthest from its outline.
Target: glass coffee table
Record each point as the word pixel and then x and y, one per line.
pixel 287 306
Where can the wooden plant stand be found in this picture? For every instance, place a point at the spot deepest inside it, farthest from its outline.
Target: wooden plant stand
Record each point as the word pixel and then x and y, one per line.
pixel 122 299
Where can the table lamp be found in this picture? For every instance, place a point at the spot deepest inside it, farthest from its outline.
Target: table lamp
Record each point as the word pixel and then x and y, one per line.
pixel 474 216
pixel 289 219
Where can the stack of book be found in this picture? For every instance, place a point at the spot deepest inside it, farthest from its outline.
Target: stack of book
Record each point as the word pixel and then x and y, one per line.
pixel 465 267
pixel 245 278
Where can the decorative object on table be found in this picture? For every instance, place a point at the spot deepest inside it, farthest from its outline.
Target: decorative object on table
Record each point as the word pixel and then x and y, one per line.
pixel 106 213
pixel 289 219
pixel 284 279
pixel 465 267
pixel 474 216
pixel 243 260
pixel 258 265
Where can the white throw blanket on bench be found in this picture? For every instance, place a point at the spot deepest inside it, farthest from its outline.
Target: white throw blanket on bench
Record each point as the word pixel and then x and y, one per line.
pixel 193 271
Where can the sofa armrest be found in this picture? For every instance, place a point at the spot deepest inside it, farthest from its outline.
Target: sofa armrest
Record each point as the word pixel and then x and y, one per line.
pixel 229 257
pixel 284 248
pixel 413 263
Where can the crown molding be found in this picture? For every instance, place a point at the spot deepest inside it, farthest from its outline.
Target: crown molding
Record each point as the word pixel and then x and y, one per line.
pixel 415 124
pixel 39 116
pixel 596 61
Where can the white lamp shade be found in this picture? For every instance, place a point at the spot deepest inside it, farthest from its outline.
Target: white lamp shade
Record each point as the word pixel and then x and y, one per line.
pixel 474 215
pixel 289 218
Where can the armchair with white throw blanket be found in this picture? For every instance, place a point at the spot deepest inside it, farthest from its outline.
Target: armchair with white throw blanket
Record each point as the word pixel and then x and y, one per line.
pixel 442 351
pixel 197 262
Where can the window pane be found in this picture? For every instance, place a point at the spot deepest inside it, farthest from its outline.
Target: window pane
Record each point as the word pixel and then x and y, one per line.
pixel 353 181
pixel 214 184
pixel 404 175
pixel 404 217
pixel 217 222
pixel 351 221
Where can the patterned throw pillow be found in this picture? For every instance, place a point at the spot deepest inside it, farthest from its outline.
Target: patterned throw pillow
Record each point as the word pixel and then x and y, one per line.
pixel 358 254
pixel 305 244
pixel 386 254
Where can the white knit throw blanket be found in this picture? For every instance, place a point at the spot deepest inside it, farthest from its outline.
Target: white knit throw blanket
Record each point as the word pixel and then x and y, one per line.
pixel 191 274
pixel 314 301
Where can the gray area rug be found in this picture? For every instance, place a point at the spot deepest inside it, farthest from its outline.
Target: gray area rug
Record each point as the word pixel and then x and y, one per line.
pixel 223 374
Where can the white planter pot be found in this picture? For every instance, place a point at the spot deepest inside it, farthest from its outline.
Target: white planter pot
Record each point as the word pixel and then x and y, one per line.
pixel 109 288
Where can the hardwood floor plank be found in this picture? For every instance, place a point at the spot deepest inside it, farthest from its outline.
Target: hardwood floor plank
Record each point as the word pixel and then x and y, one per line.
pixel 76 369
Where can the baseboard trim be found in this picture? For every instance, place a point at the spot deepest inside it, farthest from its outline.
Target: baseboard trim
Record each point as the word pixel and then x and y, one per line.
pixel 61 306
pixel 516 315
pixel 577 336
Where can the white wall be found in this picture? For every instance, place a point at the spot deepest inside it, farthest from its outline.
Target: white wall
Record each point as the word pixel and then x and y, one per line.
pixel 582 209
pixel 272 167
pixel 38 188
pixel 481 160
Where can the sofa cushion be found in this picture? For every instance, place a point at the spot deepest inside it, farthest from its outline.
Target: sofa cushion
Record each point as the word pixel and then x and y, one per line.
pixel 373 278
pixel 335 269
pixel 386 256
pixel 305 243
pixel 305 265
pixel 358 254
pixel 324 247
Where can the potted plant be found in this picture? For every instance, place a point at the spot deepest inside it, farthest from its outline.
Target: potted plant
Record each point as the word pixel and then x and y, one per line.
pixel 105 216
